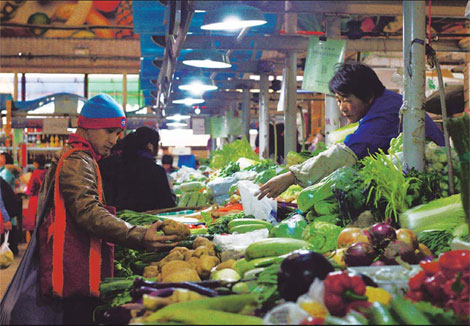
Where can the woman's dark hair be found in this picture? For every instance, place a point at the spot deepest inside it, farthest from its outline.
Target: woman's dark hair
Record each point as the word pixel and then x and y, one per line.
pixel 138 140
pixel 167 159
pixel 40 160
pixel 8 158
pixel 358 79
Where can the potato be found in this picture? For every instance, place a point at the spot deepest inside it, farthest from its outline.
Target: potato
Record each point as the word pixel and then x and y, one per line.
pixel 204 250
pixel 206 263
pixel 201 241
pixel 226 264
pixel 182 275
pixel 173 266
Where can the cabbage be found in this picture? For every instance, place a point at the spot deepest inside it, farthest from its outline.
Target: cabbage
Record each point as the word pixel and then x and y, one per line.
pixel 322 236
pixel 440 214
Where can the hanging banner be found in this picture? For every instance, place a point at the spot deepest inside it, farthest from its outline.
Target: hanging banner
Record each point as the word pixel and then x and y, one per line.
pixel 55 126
pixel 219 127
pixel 234 122
pixel 320 65
pixel 198 125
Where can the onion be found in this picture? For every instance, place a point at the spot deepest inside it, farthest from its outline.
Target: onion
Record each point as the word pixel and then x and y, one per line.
pixel 380 235
pixel 377 263
pixel 359 254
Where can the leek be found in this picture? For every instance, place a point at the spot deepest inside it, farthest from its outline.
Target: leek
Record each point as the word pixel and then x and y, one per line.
pixel 440 214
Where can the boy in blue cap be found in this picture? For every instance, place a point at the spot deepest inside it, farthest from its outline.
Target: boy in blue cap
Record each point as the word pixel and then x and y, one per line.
pixel 75 239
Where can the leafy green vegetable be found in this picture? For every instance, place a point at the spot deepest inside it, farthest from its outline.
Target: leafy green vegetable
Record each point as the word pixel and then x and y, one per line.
pixel 322 236
pixel 136 218
pixel 386 183
pixel 231 153
pixel 229 169
pixel 294 158
pixel 440 214
pixel 263 165
pixel 291 193
pixel 292 227
pixel 267 284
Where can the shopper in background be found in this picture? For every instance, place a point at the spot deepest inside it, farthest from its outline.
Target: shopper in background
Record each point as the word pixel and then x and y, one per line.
pixel 10 173
pixel 32 190
pixel 74 250
pixel 8 170
pixel 143 183
pixel 110 167
pixel 167 163
pixel 9 207
pixel 361 98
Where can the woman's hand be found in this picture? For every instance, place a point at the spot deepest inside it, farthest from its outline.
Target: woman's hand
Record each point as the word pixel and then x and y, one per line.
pixel 276 185
pixel 8 226
pixel 154 241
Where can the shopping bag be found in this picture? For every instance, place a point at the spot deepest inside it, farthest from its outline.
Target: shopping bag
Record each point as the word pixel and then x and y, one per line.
pixel 264 209
pixel 22 303
pixel 6 255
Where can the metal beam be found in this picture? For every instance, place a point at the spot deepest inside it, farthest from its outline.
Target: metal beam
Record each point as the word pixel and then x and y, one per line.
pixel 439 8
pixel 300 43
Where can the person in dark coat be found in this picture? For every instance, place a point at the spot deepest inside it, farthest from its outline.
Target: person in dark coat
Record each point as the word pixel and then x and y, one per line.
pixel 143 184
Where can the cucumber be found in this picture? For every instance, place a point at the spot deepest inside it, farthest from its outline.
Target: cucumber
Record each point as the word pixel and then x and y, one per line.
pixel 245 266
pixel 274 247
pixel 247 228
pixel 183 201
pixel 202 201
pixel 244 221
pixel 192 186
pixel 193 199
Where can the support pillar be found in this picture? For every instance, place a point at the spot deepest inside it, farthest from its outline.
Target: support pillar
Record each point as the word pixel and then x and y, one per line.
pixel 246 113
pixel 332 113
pixel 414 91
pixel 263 117
pixel 124 91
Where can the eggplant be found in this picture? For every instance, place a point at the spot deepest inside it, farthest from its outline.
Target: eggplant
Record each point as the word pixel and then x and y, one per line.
pixel 116 316
pixel 138 293
pixel 298 271
pixel 193 286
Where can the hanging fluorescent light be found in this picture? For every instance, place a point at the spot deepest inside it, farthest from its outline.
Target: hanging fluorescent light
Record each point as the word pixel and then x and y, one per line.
pixel 178 117
pixel 188 101
pixel 232 17
pixel 197 85
pixel 176 124
pixel 207 59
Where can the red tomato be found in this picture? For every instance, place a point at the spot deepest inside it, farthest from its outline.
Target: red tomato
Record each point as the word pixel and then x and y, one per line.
pixel 105 6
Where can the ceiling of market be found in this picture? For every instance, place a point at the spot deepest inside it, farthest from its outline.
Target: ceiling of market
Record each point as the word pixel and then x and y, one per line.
pixel 373 30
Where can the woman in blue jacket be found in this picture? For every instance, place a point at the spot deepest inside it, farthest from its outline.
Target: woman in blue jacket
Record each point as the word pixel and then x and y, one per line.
pixel 362 98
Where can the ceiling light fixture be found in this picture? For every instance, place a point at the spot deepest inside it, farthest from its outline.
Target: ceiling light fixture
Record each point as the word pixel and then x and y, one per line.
pixel 207 59
pixel 188 101
pixel 232 17
pixel 197 85
pixel 178 117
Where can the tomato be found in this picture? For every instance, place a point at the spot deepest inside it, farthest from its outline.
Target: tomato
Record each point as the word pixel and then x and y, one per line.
pixel 351 235
pixel 105 6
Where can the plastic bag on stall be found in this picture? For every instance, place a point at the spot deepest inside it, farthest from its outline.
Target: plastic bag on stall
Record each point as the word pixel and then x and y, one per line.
pixel 234 245
pixel 287 313
pixel 221 186
pixel 264 209
pixel 6 255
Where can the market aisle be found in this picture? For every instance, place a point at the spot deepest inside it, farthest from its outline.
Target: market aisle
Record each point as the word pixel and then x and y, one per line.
pixel 7 274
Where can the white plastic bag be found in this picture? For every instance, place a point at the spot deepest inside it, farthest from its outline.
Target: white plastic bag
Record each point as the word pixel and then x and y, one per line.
pixel 6 255
pixel 234 245
pixel 287 313
pixel 264 209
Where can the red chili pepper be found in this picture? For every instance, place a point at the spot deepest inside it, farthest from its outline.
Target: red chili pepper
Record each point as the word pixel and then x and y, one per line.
pixel 417 280
pixel 430 267
pixel 342 288
pixel 455 261
pixel 415 295
pixel 433 285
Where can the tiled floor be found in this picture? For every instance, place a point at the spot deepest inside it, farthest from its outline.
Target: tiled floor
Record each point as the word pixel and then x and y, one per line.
pixel 7 274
